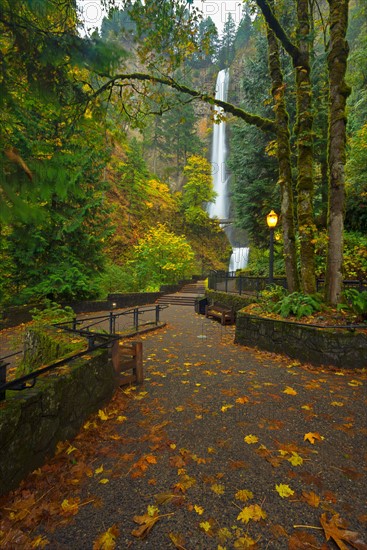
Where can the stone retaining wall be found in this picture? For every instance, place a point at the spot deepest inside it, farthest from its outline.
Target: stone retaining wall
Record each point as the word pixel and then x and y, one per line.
pixel 335 347
pixel 231 300
pixel 33 421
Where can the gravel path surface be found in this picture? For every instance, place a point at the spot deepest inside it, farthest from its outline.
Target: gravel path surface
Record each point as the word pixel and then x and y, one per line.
pixel 200 448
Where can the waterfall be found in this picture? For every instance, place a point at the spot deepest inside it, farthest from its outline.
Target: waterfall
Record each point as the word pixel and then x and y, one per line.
pixel 221 207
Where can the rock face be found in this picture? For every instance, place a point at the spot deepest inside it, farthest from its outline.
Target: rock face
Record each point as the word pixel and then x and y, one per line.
pixel 33 421
pixel 319 346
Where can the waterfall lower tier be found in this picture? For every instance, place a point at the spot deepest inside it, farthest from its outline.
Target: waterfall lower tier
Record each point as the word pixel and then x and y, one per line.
pixel 239 258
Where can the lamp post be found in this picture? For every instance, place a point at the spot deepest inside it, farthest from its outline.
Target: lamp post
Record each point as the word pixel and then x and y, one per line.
pixel 271 220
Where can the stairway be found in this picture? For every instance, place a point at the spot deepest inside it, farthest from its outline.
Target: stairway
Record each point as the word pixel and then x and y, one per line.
pixel 186 296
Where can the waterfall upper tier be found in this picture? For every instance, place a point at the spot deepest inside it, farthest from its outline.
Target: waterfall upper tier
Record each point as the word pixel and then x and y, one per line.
pixel 220 208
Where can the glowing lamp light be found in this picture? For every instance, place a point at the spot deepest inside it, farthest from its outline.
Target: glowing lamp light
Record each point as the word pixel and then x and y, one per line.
pixel 272 219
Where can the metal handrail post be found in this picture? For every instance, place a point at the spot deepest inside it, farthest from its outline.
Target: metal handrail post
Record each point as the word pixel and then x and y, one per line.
pixel 136 319
pixel 157 309
pixel 3 366
pixel 112 323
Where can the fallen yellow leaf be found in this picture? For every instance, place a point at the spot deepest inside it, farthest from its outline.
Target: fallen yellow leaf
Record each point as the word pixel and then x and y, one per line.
pixel 107 541
pixel 251 439
pixel 199 509
pixel 290 391
pixel 284 490
pixel 295 459
pixel 217 488
pixel 254 512
pixel 244 495
pixel 311 436
pixel 102 415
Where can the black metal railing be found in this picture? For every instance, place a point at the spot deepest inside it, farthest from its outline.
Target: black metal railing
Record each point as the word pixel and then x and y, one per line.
pixel 110 330
pixel 240 284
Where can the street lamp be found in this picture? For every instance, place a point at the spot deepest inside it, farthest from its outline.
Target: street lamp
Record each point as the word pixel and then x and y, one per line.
pixel 271 220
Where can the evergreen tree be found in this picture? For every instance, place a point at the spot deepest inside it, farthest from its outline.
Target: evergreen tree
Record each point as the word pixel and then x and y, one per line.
pixel 226 48
pixel 207 38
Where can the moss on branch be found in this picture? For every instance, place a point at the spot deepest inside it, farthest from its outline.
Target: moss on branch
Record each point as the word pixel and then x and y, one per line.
pixel 264 124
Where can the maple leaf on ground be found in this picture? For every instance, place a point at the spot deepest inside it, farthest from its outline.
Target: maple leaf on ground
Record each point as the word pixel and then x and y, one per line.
pixel 244 542
pixel 311 436
pixel 311 498
pixel 295 459
pixel 146 522
pixel 254 512
pixel 242 400
pixel 284 490
pixel 177 540
pixel 335 529
pixel 244 495
pixel 290 391
pixel 218 489
pixel 251 439
pixel 107 540
pixel 163 498
pixel 70 507
pixel 102 415
pixel 303 541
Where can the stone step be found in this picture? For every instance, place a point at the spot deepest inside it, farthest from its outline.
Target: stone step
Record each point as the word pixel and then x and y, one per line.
pixel 182 300
pixel 186 297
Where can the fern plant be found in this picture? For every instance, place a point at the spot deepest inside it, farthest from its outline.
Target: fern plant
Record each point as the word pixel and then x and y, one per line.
pixel 356 302
pixel 298 304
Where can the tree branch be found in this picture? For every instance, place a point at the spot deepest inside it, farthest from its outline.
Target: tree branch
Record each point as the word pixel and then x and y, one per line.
pixel 264 124
pixel 278 30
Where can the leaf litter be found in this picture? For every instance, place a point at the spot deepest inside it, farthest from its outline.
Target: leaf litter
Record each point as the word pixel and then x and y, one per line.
pixel 200 462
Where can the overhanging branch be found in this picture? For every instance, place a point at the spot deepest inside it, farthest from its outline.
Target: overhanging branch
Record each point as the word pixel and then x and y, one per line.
pixel 278 30
pixel 264 124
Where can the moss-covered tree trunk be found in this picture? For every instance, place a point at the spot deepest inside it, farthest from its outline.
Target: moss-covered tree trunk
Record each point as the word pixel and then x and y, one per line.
pixel 300 58
pixel 284 162
pixel 304 132
pixel 339 91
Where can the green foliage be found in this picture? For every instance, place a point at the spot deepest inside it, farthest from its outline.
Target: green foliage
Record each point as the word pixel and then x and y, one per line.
pixel 115 278
pixel 51 313
pixel 356 302
pixel 272 293
pixel 230 300
pixel 258 261
pixel 356 183
pixel 197 190
pixel 160 257
pixel 354 254
pixel 298 304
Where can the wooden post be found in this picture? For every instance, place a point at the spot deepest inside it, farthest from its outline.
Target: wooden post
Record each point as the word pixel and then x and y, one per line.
pixel 138 370
pixel 115 357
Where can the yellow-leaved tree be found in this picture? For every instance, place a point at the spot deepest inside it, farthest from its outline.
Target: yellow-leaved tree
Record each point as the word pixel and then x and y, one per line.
pixel 160 257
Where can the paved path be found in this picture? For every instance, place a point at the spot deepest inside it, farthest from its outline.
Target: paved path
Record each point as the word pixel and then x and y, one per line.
pixel 215 428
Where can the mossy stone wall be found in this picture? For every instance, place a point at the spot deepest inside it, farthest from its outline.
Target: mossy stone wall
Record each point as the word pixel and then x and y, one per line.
pixel 33 421
pixel 334 347
pixel 231 300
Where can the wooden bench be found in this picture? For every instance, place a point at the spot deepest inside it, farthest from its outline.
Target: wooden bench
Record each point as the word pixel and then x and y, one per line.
pixel 225 314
